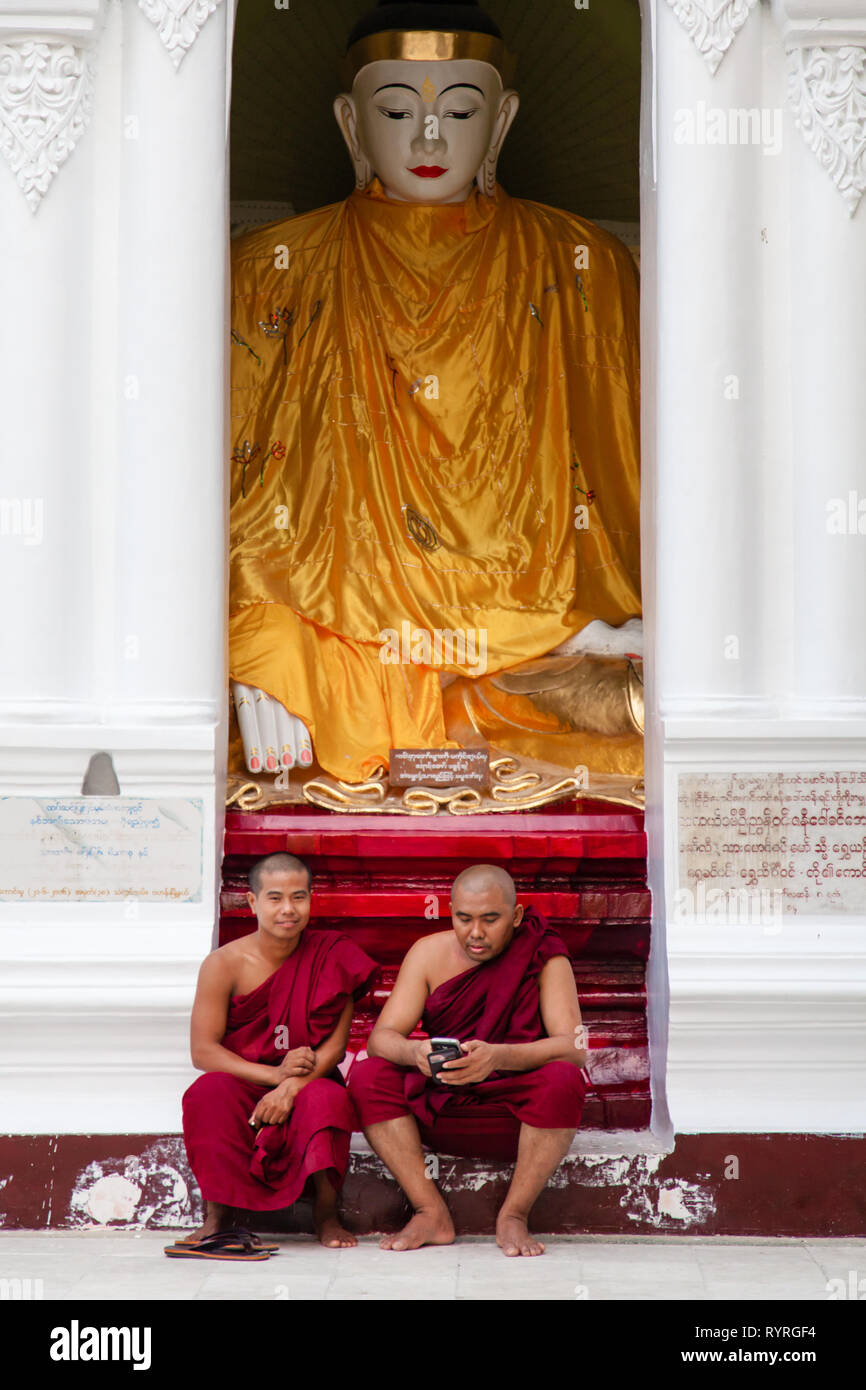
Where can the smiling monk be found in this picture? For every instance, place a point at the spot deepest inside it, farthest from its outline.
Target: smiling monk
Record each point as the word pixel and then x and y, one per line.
pixel 501 983
pixel 269 1028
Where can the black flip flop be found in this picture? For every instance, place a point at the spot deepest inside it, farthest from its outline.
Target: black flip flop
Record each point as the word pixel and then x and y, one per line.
pixel 222 1245
pixel 241 1231
pixel 257 1240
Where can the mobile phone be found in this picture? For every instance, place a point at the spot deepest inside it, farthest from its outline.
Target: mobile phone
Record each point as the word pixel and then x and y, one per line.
pixel 444 1050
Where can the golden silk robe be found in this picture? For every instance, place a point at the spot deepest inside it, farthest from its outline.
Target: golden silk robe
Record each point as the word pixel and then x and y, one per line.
pixel 421 397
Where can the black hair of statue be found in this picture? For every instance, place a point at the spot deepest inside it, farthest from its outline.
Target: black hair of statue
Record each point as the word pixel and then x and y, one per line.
pixel 440 16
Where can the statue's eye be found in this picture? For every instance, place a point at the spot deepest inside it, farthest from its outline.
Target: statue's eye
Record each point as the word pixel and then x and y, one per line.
pixel 395 115
pixel 462 115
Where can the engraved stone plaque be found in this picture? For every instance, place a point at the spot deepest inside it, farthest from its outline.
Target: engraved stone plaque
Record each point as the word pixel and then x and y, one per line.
pixel 439 767
pixel 791 842
pixel 87 849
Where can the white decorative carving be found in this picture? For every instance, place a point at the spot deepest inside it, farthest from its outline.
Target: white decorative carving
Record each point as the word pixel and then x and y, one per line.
pixel 178 23
pixel 46 92
pixel 827 92
pixel 712 24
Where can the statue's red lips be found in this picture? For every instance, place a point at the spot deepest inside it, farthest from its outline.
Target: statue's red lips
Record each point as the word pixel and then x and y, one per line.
pixel 429 171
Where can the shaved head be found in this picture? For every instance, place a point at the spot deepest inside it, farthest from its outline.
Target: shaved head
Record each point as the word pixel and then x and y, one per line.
pixel 480 877
pixel 277 864
pixel 485 912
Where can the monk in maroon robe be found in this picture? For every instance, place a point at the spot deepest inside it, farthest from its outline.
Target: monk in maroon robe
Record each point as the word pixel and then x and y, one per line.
pixel 270 1025
pixel 500 983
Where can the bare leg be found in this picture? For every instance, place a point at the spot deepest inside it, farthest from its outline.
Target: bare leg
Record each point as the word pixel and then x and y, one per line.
pixel 539 1154
pixel 217 1218
pixel 398 1144
pixel 329 1228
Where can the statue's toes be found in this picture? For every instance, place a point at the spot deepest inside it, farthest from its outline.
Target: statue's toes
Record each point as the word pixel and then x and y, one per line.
pixel 303 742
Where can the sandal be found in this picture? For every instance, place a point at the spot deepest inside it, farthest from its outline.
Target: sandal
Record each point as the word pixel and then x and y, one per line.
pixel 257 1241
pixel 272 1249
pixel 222 1245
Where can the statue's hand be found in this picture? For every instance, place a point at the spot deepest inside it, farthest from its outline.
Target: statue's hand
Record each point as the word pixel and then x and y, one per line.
pixel 600 639
pixel 273 739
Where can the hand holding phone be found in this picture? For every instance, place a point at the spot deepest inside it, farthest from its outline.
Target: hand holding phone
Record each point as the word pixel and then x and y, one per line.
pixel 443 1050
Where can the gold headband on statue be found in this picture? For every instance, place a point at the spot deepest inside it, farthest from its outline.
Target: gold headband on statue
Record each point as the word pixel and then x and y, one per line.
pixel 429 46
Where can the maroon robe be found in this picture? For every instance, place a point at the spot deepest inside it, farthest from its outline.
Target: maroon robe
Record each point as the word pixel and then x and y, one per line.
pixel 269 1169
pixel 497 1002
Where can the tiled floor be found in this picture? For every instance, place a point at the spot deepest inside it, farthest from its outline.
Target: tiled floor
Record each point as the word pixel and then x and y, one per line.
pixel 103 1264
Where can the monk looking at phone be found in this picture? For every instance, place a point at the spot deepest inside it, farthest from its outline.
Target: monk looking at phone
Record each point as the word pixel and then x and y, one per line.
pixel 501 982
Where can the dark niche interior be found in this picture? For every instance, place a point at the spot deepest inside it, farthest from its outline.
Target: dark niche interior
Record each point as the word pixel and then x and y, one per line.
pixel 574 144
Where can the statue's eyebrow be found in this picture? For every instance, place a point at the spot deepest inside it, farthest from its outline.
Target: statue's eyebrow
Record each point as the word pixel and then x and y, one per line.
pixel 470 85
pixel 404 85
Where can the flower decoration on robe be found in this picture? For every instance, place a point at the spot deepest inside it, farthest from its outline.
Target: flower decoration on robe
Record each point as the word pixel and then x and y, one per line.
pixel 277 325
pixel 245 456
pixel 242 342
pixel 250 452
pixel 587 495
pixel 317 309
pixel 419 529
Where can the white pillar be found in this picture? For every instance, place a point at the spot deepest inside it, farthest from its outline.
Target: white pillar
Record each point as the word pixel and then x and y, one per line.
pixel 47 288
pixel 826 47
pixel 115 409
pixel 711 646
pixel 171 537
pixel 760 272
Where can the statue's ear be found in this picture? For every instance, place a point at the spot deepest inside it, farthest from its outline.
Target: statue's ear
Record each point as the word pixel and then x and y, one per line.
pixel 509 103
pixel 347 119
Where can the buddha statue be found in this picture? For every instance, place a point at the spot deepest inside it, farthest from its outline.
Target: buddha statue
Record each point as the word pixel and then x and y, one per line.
pixel 435 431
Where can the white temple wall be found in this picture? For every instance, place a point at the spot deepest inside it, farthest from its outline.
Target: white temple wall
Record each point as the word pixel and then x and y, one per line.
pixel 758 423
pixel 115 394
pixel 753 269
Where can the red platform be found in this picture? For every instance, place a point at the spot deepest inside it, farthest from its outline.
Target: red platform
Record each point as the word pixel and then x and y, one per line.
pixel 380 879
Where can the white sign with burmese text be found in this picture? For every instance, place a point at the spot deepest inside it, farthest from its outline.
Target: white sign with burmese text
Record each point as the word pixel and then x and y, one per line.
pixel 87 849
pixel 796 836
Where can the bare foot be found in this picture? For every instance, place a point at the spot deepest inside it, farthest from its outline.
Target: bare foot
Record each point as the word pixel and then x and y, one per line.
pixel 329 1227
pixel 431 1226
pixel 332 1234
pixel 513 1238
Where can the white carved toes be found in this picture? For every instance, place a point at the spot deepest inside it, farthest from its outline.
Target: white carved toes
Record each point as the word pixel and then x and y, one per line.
pixel 303 742
pixel 267 721
pixel 274 740
pixel 292 740
pixel 287 749
pixel 245 706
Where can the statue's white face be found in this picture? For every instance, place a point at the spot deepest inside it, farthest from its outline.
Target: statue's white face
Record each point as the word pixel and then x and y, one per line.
pixel 426 128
